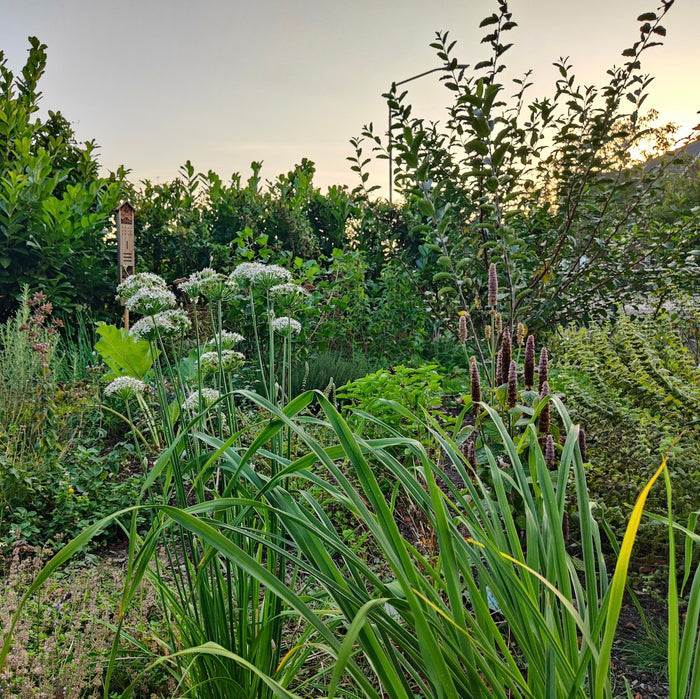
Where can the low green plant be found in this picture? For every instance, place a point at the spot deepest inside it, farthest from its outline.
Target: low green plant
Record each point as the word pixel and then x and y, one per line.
pixel 63 632
pixel 415 388
pixel 326 370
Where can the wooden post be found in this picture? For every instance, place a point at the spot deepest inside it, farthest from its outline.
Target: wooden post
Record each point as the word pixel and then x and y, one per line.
pixel 126 257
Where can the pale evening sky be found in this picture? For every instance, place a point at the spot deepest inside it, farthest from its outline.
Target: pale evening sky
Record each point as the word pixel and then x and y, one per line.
pixel 225 82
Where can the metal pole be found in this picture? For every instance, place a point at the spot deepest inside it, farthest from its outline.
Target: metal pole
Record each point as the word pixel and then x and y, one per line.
pixel 391 161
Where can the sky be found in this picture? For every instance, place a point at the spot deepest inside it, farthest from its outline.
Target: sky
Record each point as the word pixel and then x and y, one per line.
pixel 226 82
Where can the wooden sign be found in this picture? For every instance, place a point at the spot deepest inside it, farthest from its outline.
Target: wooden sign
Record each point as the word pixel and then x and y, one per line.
pixel 126 258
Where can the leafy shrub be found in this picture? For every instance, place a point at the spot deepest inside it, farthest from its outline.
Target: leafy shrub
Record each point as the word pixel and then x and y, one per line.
pixel 415 388
pixel 55 476
pixel 544 188
pixel 54 208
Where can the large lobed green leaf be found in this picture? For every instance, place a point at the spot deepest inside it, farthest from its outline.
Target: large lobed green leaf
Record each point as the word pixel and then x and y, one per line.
pixel 122 353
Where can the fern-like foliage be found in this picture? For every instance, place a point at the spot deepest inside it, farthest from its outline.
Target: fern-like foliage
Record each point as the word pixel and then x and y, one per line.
pixel 635 386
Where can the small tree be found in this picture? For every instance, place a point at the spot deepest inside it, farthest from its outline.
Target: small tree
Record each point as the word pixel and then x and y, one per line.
pixel 544 189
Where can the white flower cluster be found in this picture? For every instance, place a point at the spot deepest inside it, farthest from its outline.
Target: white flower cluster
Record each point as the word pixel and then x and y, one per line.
pixel 286 326
pixel 230 360
pixel 142 280
pixel 288 294
pixel 206 396
pixel 163 324
pixel 150 300
pixel 207 283
pixel 259 275
pixel 125 386
pixel 226 339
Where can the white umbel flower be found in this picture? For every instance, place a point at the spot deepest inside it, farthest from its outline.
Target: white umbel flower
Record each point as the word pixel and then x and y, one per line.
pixel 288 296
pixel 208 284
pixel 259 275
pixel 206 397
pixel 125 387
pixel 230 361
pixel 226 339
pixel 165 324
pixel 148 301
pixel 142 280
pixel 286 326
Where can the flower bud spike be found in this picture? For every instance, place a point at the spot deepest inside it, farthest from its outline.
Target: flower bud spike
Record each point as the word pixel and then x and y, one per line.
pixel 463 332
pixel 549 453
pixel 470 452
pixel 475 384
pixel 500 373
pixel 506 349
pixel 529 368
pixel 544 420
pixel 493 286
pixel 512 385
pixel 543 370
pixel 582 443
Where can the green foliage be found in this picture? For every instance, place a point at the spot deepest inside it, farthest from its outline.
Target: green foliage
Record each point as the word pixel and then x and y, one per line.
pixel 55 477
pixel 28 430
pixel 63 629
pixel 415 388
pixel 327 369
pixel 198 219
pixel 502 613
pixel 635 386
pixel 123 354
pixel 545 189
pixel 54 209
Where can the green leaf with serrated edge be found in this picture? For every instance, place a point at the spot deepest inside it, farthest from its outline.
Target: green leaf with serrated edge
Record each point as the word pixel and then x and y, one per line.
pixel 122 353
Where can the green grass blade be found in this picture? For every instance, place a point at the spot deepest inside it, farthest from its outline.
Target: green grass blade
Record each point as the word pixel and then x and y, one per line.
pixel 617 587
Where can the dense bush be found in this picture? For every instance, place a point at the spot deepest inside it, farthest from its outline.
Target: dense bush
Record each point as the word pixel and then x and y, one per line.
pixel 55 210
pixel 59 468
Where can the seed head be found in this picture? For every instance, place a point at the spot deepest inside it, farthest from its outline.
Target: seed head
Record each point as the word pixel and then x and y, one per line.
pixel 522 332
pixel 512 385
pixel 475 384
pixel 543 370
pixel 493 286
pixel 549 453
pixel 487 332
pixel 529 369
